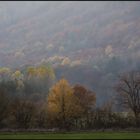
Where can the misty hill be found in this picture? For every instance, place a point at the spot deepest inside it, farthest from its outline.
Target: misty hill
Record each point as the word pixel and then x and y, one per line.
pixel 86 42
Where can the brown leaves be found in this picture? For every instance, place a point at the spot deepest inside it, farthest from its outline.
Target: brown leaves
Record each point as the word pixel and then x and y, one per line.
pixel 86 98
pixel 65 102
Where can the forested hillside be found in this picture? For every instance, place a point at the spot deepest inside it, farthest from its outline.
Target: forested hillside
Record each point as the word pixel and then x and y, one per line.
pixel 89 43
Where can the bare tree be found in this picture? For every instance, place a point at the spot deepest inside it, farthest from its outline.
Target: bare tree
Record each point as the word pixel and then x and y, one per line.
pixel 23 112
pixel 129 91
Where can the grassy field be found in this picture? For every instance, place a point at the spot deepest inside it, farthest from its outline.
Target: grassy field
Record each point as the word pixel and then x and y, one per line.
pixel 93 135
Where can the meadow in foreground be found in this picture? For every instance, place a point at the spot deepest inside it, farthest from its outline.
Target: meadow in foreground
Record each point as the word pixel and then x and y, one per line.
pixel 94 135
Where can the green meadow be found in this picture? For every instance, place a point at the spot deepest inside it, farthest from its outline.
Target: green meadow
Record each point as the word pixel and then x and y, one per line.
pixel 93 135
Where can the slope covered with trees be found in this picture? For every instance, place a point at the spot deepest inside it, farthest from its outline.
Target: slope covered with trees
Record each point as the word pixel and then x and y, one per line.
pixel 88 43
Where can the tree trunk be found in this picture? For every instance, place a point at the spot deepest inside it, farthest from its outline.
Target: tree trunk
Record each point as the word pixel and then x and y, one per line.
pixel 137 119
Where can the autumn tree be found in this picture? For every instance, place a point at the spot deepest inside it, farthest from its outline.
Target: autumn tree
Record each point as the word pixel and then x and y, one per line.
pixel 62 104
pixel 86 99
pixel 129 92
pixel 5 79
pixel 18 78
pixel 5 73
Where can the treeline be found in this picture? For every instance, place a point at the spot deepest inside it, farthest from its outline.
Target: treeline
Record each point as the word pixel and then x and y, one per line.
pixel 31 98
pixel 29 81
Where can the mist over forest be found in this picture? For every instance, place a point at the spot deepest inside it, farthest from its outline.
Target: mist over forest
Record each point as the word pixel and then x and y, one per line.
pixel 88 43
pixel 69 65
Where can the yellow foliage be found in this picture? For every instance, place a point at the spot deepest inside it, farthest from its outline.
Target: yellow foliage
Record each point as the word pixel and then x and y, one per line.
pixel 17 75
pixel 61 101
pixel 40 72
pixel 31 71
pixel 5 70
